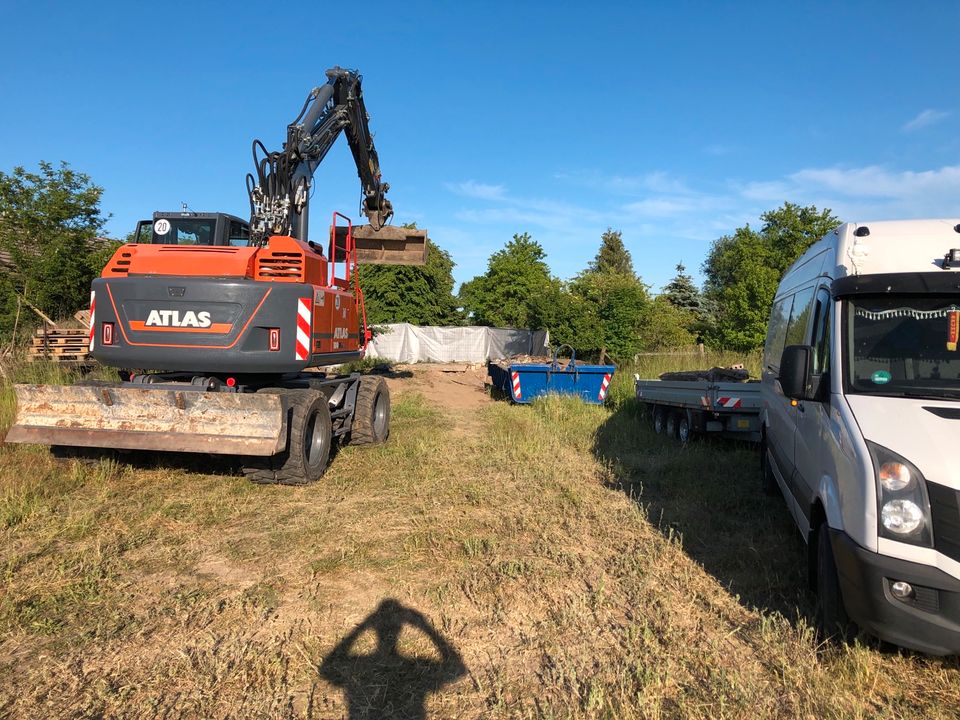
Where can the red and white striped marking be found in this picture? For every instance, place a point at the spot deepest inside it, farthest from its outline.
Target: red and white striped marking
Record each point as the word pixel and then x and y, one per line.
pixel 93 325
pixel 515 379
pixel 603 387
pixel 304 307
pixel 728 402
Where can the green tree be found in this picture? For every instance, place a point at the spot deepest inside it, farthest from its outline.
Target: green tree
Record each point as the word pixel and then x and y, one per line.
pixel 683 293
pixel 504 295
pixel 568 318
pixel 613 256
pixel 47 222
pixel 666 326
pixel 618 298
pixel 742 271
pixel 620 302
pixel 421 295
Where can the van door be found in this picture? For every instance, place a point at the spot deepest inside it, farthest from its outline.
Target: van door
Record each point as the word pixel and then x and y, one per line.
pixel 781 413
pixel 813 417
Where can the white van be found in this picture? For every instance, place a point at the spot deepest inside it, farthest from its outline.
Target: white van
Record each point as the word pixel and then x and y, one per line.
pixel 861 426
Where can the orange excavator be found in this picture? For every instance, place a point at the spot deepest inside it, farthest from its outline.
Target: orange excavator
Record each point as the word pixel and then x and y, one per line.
pixel 218 325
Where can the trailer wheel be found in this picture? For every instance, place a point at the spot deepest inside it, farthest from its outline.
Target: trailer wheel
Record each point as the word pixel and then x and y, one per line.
pixel 659 421
pixel 371 418
pixel 683 428
pixel 831 615
pixel 308 443
pixel 672 424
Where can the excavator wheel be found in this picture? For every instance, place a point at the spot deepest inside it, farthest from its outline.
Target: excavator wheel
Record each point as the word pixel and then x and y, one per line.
pixel 308 443
pixel 371 418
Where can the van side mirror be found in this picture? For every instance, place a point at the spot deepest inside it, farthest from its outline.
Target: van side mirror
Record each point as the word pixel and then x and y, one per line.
pixel 795 372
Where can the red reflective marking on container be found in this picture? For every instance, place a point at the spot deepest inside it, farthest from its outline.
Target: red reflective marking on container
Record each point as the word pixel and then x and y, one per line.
pixel 515 377
pixel 603 386
pixel 274 339
pixel 106 333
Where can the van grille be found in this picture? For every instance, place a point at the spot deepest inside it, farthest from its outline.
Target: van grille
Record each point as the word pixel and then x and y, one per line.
pixel 945 515
pixel 280 266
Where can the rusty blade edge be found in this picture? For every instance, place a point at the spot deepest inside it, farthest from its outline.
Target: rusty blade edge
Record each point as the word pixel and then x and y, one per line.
pixel 133 440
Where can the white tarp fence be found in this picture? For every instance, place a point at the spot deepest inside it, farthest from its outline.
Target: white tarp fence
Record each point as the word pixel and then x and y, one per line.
pixel 401 342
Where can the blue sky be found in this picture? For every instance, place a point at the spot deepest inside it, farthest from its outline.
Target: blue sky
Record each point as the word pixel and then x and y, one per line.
pixel 673 122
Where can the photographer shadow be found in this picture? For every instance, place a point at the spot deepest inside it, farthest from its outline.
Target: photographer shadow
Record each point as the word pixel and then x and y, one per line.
pixel 386 683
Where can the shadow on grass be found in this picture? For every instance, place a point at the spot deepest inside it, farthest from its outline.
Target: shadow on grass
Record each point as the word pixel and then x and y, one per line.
pixel 708 494
pixel 386 683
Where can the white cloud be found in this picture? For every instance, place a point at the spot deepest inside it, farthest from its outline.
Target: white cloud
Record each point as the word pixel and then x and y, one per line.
pixel 872 192
pixel 478 190
pixel 719 150
pixel 655 181
pixel 665 217
pixel 925 118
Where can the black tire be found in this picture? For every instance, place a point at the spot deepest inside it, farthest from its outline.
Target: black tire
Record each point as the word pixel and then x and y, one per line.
pixel 671 428
pixel 371 417
pixel 684 431
pixel 659 420
pixel 768 483
pixel 832 620
pixel 309 441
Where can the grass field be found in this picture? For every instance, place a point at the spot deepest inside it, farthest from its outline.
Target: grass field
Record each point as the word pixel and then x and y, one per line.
pixel 553 561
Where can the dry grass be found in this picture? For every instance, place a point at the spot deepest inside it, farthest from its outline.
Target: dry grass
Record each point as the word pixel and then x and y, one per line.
pixel 554 561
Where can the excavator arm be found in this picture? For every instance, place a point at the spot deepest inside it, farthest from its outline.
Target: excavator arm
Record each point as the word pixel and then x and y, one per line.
pixel 280 188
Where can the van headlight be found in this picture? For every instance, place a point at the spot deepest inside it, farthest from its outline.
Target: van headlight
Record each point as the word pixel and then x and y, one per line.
pixel 904 510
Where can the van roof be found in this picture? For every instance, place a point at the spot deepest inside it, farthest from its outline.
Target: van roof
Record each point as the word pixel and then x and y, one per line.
pixel 882 246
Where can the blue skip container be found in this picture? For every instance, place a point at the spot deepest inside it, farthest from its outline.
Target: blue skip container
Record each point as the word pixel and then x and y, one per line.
pixel 525 382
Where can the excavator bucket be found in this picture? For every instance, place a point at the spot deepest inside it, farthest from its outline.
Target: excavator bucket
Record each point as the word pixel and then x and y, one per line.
pixel 389 245
pixel 111 416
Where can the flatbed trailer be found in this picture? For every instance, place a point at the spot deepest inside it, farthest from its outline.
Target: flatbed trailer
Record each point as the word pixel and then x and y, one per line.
pixel 684 408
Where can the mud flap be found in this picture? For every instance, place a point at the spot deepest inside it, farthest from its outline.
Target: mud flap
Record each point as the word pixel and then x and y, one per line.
pixel 109 416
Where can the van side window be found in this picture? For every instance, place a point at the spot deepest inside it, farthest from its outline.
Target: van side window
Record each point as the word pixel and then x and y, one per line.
pixel 799 318
pixel 777 332
pixel 821 334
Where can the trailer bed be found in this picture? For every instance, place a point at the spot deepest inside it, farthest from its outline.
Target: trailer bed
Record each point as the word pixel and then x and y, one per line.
pixel 684 408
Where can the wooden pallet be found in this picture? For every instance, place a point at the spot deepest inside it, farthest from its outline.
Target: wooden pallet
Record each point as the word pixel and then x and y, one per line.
pixel 61 345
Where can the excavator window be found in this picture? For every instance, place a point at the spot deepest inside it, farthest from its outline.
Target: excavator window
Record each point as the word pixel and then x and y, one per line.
pixel 195 232
pixel 239 234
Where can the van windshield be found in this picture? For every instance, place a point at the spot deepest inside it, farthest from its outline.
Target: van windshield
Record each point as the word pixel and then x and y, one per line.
pixel 904 346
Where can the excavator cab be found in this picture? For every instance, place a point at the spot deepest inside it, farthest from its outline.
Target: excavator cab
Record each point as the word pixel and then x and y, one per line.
pixel 193 228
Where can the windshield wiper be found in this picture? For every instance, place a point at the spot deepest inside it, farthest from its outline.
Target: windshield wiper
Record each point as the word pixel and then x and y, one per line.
pixel 936 395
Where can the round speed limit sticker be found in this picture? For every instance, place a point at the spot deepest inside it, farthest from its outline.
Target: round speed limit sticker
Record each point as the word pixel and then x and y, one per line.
pixel 161 226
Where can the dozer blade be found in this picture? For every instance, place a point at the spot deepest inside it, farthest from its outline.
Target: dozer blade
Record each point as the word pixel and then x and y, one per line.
pixel 131 418
pixel 390 245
